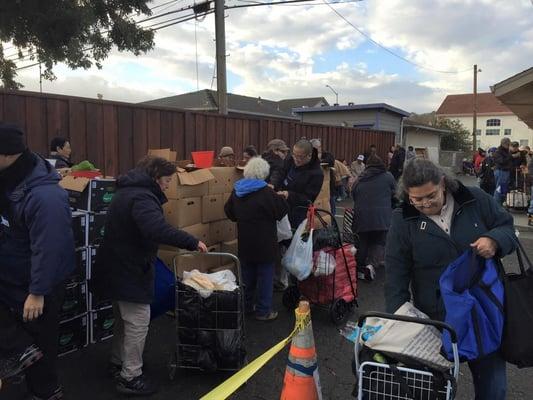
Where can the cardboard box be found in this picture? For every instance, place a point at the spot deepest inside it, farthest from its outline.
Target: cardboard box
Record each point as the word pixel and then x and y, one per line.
pixel 102 323
pixel 229 231
pixel 73 335
pixel 189 184
pixel 167 256
pixel 231 247
pixel 213 208
pixel 96 228
pixel 187 261
pixel 224 179
pixel 89 194
pixel 167 154
pixel 199 231
pixel 231 267
pixel 184 212
pixel 216 232
pixel 79 228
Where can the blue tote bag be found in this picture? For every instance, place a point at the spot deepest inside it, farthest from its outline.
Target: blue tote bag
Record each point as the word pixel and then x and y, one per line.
pixel 164 290
pixel 473 295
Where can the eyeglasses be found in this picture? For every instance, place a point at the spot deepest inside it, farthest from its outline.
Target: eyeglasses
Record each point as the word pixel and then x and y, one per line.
pixel 428 201
pixel 300 157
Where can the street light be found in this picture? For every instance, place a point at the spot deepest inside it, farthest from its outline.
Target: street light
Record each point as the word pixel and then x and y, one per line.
pixel 336 94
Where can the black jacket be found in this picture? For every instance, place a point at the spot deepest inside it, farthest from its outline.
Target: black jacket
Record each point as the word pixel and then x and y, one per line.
pixel 256 214
pixel 134 228
pixel 396 163
pixel 502 159
pixel 418 251
pixel 486 176
pixel 303 184
pixel 372 196
pixel 61 162
pixel 275 177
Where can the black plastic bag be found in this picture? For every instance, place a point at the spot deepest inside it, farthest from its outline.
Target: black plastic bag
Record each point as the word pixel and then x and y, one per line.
pixel 230 348
pixel 207 360
pixel 326 237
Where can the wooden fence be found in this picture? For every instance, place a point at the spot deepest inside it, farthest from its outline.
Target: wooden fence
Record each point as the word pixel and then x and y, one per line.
pixel 115 135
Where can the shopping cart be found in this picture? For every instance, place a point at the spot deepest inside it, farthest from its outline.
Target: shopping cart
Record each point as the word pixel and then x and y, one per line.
pixel 382 381
pixel 336 290
pixel 207 327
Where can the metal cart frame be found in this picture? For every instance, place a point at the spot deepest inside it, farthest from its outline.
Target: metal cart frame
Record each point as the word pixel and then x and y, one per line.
pixel 338 308
pixel 419 381
pixel 175 361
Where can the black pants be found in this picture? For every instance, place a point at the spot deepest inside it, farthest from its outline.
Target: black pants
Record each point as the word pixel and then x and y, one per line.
pixel 368 241
pixel 16 335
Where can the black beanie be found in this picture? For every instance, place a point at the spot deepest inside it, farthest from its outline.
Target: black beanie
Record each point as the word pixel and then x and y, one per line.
pixel 11 139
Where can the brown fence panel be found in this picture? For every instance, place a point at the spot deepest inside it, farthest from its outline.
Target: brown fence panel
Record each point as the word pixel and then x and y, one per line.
pixel 115 135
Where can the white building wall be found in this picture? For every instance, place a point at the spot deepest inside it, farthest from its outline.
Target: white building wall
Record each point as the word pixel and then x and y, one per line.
pixel 428 141
pixel 520 132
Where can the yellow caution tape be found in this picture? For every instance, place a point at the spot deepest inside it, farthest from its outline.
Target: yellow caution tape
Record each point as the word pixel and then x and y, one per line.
pixel 226 388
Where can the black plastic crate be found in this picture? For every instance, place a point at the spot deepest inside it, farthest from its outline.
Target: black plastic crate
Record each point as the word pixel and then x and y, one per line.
pixel 97 303
pixel 73 335
pixel 96 228
pixel 102 324
pixel 75 302
pixel 96 197
pixel 80 272
pixel 79 228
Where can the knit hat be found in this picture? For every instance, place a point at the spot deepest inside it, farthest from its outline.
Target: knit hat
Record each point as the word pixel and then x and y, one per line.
pixel 226 151
pixel 11 139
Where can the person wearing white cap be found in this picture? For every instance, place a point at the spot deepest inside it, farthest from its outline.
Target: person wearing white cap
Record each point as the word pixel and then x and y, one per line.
pixel 358 166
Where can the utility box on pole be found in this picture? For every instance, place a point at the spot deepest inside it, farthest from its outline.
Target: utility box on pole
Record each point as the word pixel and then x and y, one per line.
pixel 220 32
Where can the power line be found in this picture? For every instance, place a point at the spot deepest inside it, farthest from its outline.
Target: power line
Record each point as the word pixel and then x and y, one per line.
pixel 389 50
pixel 259 4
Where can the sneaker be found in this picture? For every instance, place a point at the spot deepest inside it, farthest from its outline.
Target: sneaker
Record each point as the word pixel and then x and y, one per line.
pixel 139 386
pixel 56 395
pixel 272 315
pixel 14 365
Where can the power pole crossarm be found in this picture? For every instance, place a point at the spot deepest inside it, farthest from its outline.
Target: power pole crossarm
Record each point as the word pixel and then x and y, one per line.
pixel 220 31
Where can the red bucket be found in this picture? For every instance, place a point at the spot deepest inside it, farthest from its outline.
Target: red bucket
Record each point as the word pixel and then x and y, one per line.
pixel 203 159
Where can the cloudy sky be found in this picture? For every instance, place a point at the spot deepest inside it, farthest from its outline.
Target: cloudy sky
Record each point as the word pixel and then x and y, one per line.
pixel 289 51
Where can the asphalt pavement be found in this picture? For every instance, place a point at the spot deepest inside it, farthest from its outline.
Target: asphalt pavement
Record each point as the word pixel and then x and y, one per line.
pixel 84 373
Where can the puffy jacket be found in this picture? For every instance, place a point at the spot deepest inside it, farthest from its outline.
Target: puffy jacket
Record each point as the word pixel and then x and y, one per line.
pixel 36 239
pixel 303 184
pixel 134 228
pixel 418 251
pixel 502 159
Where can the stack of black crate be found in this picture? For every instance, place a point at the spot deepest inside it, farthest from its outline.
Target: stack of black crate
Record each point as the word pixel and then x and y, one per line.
pixel 85 317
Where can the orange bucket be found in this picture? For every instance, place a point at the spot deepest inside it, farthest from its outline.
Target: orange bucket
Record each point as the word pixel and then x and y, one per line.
pixel 203 159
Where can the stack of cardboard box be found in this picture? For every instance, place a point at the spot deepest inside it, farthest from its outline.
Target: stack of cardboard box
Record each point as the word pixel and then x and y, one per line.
pixel 195 205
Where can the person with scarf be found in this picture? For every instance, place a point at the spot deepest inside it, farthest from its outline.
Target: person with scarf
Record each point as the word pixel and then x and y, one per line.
pixel 373 202
pixel 36 257
pixel 256 208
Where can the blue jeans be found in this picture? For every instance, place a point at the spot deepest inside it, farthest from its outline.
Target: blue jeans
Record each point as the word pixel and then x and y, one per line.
pixel 258 287
pixel 530 210
pixel 490 377
pixel 332 204
pixel 502 185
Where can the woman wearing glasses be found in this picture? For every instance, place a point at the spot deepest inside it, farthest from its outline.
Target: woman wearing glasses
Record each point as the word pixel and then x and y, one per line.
pixel 440 219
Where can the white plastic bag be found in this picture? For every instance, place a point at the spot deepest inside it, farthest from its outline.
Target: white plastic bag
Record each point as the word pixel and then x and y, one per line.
pixel 284 229
pixel 324 264
pixel 298 260
pixel 206 283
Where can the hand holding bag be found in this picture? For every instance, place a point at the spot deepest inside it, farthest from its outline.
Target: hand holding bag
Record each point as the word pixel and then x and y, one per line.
pixel 517 342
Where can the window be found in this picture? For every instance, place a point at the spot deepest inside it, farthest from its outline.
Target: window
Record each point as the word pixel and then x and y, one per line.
pixel 507 132
pixel 493 122
pixel 524 142
pixel 492 132
pixel 478 132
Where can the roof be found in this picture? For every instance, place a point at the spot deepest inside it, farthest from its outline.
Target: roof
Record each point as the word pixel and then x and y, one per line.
pixel 427 128
pixel 353 107
pixel 207 100
pixel 288 104
pixel 516 92
pixel 462 104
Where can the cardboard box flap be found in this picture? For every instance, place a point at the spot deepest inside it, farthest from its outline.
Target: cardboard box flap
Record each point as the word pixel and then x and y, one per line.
pixel 194 177
pixel 167 154
pixel 73 183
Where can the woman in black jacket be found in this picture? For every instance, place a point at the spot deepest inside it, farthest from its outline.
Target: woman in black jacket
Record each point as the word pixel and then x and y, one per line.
pixel 134 229
pixel 256 208
pixel 302 180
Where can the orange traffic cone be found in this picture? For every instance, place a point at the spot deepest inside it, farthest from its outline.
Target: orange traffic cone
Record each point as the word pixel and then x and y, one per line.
pixel 301 380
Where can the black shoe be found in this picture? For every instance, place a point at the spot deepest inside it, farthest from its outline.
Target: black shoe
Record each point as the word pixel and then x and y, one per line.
pixel 140 386
pixel 14 365
pixel 113 370
pixel 56 395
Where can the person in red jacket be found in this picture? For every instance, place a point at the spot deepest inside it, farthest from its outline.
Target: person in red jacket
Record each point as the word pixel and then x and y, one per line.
pixel 478 159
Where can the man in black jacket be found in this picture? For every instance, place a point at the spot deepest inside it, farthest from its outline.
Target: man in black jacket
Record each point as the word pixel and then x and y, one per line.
pixel 275 155
pixel 503 163
pixel 302 180
pixel 124 271
pixel 397 162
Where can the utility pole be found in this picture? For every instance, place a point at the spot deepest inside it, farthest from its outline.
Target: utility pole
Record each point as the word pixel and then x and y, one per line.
pixel 220 35
pixel 474 121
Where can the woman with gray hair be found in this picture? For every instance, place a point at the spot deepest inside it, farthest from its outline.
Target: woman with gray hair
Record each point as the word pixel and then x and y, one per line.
pixel 439 219
pixel 256 208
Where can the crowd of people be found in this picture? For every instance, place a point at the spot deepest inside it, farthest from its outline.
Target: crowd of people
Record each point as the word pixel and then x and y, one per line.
pixel 404 212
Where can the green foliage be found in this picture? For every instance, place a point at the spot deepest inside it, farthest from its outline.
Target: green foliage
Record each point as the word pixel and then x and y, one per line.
pixel 459 139
pixel 79 33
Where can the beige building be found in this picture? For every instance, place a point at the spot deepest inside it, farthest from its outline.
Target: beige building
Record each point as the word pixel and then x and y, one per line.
pixel 494 119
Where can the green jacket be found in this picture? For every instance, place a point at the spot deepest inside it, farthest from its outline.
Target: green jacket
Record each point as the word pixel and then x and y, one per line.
pixel 418 251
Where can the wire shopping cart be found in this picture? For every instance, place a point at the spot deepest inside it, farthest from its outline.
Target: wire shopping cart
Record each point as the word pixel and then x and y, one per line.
pixel 382 381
